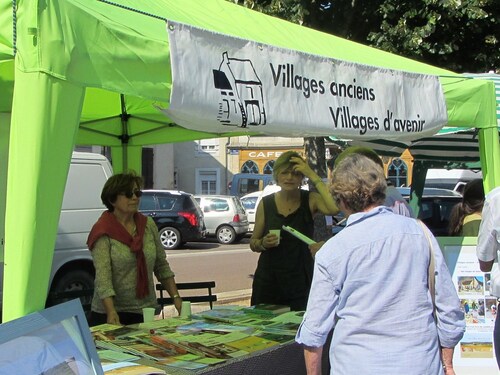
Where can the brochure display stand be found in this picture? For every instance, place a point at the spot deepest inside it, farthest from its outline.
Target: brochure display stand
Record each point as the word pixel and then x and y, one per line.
pixel 474 354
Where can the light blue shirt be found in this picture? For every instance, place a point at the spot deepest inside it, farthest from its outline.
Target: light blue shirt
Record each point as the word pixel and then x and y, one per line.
pixel 371 283
pixel 488 240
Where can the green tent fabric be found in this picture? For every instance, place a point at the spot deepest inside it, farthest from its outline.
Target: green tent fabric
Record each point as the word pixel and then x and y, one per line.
pixel 495 78
pixel 70 52
pixel 125 123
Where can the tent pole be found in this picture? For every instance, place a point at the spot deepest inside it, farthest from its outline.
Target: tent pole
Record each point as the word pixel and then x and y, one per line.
pixel 41 142
pixel 126 157
pixel 417 185
pixel 124 137
pixel 489 150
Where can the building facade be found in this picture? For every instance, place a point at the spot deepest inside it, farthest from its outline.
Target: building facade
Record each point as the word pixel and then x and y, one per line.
pixel 207 166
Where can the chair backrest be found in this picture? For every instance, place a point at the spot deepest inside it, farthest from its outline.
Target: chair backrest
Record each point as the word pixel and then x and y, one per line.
pixel 207 296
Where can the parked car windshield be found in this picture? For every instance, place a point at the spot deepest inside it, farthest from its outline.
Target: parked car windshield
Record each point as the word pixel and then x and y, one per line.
pixel 249 202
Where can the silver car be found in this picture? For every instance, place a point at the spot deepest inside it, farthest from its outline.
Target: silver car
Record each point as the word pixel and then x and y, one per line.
pixel 225 217
pixel 250 201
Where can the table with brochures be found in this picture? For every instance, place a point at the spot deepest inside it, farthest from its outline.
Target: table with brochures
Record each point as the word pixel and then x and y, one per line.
pixel 225 340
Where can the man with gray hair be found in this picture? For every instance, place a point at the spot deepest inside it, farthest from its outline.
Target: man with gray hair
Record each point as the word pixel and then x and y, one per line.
pixel 371 282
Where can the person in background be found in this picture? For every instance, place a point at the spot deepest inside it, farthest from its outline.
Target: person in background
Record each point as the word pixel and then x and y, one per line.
pixel 284 270
pixel 126 251
pixel 371 284
pixel 465 216
pixel 488 246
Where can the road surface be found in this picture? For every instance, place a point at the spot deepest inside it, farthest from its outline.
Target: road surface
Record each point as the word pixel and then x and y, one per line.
pixel 230 266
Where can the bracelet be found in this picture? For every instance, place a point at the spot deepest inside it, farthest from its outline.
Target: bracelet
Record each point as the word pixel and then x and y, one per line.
pixel 176 296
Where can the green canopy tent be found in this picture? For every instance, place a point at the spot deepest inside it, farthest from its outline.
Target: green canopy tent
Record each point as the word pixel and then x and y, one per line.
pixel 109 118
pixel 65 47
pixel 125 123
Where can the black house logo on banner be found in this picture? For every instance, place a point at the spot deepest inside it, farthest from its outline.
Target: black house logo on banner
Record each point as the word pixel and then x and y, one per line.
pixel 241 97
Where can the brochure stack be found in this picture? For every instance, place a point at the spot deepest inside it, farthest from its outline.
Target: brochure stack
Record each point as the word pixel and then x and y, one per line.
pixel 206 339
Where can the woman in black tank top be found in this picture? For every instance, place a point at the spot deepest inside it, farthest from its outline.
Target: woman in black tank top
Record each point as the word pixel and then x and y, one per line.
pixel 284 271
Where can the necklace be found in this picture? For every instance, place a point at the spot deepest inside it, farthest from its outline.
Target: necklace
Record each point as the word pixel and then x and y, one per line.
pixel 287 206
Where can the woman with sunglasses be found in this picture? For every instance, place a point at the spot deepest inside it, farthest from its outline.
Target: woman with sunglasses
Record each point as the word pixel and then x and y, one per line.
pixel 126 251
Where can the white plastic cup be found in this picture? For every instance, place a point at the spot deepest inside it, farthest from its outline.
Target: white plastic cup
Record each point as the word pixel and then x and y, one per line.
pixel 186 309
pixel 277 233
pixel 148 314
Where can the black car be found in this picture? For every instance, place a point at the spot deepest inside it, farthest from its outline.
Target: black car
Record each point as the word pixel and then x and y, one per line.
pixel 435 213
pixel 435 208
pixel 178 216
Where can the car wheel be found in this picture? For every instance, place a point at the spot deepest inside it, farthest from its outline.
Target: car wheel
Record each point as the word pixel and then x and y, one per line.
pixel 226 234
pixel 73 281
pixel 170 238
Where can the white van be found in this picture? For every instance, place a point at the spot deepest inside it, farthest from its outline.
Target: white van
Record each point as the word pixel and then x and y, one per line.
pixel 72 267
pixel 245 183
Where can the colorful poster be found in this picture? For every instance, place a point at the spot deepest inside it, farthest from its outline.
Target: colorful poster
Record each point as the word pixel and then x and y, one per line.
pixel 480 309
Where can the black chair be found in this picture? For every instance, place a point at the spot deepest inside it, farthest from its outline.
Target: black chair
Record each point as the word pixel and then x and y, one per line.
pixel 208 296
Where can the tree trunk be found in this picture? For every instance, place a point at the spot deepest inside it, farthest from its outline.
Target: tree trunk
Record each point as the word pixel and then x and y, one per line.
pixel 315 156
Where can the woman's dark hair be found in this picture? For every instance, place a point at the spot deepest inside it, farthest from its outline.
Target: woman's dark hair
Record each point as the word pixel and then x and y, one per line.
pixel 472 201
pixel 119 184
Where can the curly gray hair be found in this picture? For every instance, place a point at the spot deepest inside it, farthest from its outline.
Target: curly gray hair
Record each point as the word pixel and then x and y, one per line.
pixel 358 182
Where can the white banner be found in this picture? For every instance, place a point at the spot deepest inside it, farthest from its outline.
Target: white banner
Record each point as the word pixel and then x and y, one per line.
pixel 222 84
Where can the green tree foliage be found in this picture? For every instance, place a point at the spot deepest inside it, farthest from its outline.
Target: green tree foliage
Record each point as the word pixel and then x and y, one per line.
pixel 463 36
pixel 460 35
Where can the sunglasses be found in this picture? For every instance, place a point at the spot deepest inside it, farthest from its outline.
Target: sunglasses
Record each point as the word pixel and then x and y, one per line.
pixel 129 194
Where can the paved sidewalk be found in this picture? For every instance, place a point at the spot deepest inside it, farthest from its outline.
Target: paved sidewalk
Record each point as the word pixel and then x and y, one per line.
pixel 475 370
